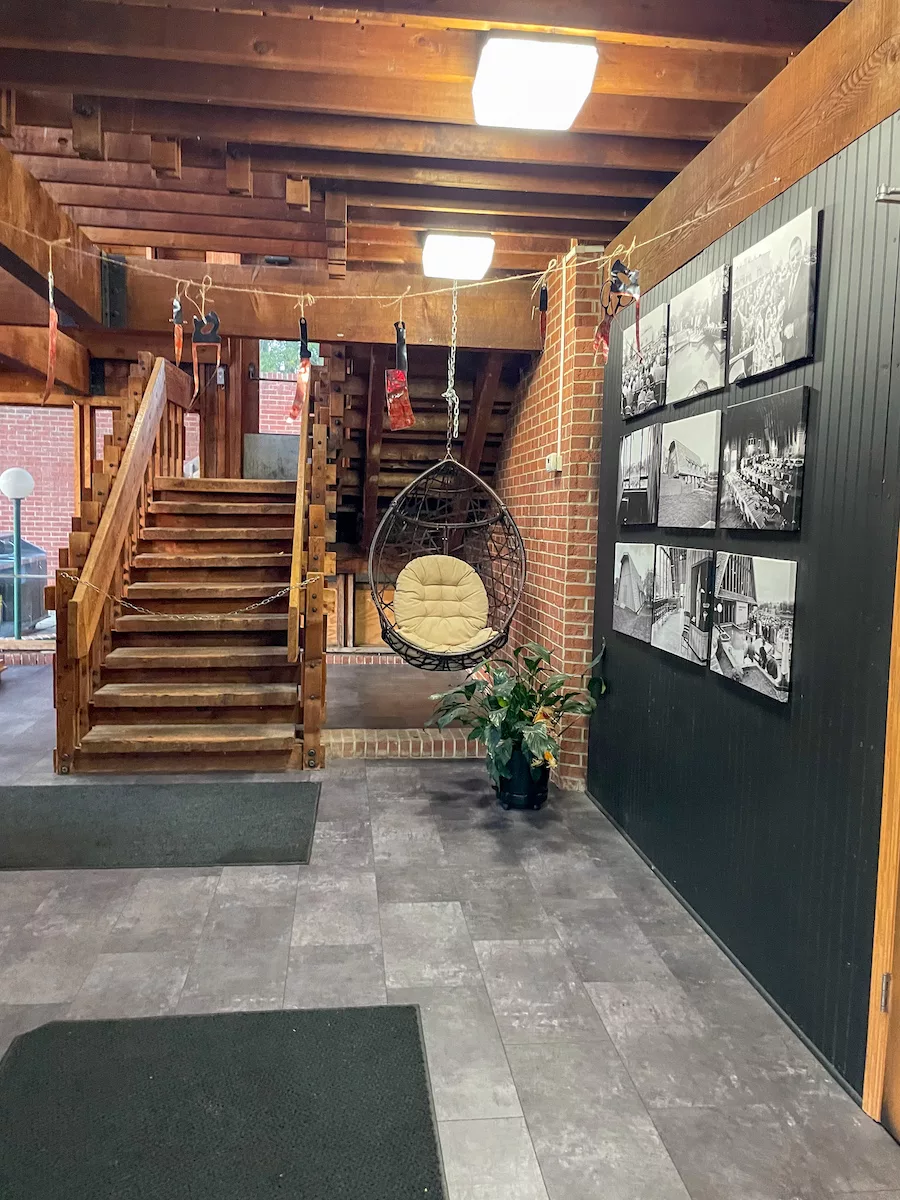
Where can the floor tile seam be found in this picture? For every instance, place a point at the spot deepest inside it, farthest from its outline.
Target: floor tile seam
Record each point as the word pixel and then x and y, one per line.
pixel 512 1076
pixel 378 902
pixel 195 955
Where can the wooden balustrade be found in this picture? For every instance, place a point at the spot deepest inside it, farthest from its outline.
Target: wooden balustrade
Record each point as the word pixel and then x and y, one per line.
pixel 147 439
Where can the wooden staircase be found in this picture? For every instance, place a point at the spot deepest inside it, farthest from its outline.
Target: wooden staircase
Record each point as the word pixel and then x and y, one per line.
pixel 172 654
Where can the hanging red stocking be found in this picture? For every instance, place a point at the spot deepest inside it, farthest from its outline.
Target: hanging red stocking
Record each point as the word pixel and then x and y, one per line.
pixel 400 413
pixel 52 338
pixel 304 374
pixel 618 292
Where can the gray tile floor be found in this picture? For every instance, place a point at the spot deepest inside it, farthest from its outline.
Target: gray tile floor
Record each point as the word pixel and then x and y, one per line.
pixel 586 1040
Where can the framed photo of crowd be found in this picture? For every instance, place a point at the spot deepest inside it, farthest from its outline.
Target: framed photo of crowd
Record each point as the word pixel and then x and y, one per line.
pixel 773 293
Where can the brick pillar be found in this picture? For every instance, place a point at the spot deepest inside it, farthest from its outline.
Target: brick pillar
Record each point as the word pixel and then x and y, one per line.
pixel 557 513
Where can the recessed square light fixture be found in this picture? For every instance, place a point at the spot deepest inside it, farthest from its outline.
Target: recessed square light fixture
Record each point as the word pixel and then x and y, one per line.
pixel 454 256
pixel 533 82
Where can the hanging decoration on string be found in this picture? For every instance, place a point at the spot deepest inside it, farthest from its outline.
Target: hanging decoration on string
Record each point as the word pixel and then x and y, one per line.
pixel 450 395
pixel 304 373
pixel 619 291
pixel 206 332
pixel 543 305
pixel 396 385
pixel 178 326
pixel 52 331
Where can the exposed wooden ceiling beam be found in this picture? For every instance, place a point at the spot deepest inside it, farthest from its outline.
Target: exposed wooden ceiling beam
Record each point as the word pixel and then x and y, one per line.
pixel 415 139
pixel 385 169
pixel 401 255
pixel 278 43
pixel 305 234
pixel 843 84
pixel 29 219
pixel 349 95
pixel 312 253
pixel 25 348
pixel 495 317
pixel 765 26
pixel 482 203
pixel 389 218
pixel 94 196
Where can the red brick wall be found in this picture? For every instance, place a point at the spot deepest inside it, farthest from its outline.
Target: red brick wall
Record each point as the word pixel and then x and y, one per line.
pixel 276 395
pixel 41 441
pixel 557 513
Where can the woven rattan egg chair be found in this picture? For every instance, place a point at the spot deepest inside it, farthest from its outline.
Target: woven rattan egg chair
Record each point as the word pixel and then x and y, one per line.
pixel 447 562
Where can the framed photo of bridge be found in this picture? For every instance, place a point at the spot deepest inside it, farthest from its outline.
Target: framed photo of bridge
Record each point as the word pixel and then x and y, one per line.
pixel 698 324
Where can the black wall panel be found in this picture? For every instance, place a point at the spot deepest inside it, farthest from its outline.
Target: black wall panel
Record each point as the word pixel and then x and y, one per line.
pixel 765 816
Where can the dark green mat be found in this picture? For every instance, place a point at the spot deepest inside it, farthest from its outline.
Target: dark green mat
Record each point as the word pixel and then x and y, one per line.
pixel 156 825
pixel 331 1104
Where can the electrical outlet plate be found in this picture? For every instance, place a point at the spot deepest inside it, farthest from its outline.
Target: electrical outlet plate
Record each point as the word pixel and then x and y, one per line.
pixel 554 462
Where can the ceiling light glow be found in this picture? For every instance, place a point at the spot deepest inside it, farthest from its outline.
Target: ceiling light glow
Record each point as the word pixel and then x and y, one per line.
pixel 453 256
pixel 533 83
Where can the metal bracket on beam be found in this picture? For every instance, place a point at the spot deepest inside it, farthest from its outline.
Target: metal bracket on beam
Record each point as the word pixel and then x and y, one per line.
pixel 887 195
pixel 114 290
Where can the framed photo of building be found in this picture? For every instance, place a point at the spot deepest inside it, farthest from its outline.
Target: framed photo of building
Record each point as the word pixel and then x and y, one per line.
pixel 763 454
pixel 637 497
pixel 698 322
pixel 689 472
pixel 682 602
pixel 773 293
pixel 644 372
pixel 753 622
pixel 633 589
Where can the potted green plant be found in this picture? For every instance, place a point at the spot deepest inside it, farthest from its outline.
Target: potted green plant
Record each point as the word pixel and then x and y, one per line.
pixel 519 707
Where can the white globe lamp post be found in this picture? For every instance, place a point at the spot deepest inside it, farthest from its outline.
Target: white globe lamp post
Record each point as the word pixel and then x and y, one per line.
pixel 17 484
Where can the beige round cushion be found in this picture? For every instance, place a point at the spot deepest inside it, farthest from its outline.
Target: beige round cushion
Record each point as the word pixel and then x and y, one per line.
pixel 440 604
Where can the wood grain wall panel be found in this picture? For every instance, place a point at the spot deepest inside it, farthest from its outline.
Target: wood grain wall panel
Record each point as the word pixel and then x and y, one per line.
pixel 765 817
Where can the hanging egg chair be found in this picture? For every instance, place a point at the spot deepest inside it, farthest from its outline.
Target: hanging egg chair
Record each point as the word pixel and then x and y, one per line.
pixel 447 562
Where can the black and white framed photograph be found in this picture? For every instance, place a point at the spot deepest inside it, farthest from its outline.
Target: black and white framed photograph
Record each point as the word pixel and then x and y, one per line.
pixel 633 589
pixel 763 454
pixel 638 489
pixel 698 321
pixel 682 602
pixel 773 293
pixel 644 365
pixel 753 622
pixel 689 472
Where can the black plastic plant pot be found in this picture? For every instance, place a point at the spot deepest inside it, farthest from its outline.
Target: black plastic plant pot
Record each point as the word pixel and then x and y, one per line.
pixel 520 789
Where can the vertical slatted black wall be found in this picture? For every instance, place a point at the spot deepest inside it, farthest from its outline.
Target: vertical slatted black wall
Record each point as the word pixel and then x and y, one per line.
pixel 764 816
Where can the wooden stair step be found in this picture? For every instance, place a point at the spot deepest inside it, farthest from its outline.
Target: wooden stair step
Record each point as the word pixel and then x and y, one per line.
pixel 200 591
pixel 199 739
pixel 195 695
pixel 192 658
pixel 271 487
pixel 215 508
pixel 211 561
pixel 178 533
pixel 209 623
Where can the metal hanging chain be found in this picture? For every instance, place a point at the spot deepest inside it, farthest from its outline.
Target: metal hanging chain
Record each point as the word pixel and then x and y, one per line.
pixel 450 395
pixel 236 612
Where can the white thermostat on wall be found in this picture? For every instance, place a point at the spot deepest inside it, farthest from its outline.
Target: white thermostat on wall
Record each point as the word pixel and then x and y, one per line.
pixel 554 462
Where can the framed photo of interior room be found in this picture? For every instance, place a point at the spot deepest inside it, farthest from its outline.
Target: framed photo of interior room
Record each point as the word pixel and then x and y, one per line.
pixel 644 366
pixel 698 334
pixel 773 300
pixel 763 458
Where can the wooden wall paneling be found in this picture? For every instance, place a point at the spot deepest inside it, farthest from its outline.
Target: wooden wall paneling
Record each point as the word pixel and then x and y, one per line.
pixel 238 173
pixel 165 157
pixel 297 193
pixel 374 429
pixel 87 128
pixel 838 87
pixel 777 842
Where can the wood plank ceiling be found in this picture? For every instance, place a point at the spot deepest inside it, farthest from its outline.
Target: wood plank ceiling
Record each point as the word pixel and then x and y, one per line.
pixel 189 128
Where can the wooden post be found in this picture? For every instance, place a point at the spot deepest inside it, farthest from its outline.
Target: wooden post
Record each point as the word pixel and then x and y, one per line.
pixel 65 680
pixel 374 429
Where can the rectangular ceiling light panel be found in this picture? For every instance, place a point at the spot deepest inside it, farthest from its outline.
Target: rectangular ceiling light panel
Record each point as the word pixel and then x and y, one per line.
pixel 533 83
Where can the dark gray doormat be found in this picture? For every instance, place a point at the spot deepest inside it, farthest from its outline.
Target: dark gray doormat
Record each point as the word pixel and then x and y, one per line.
pixel 156 825
pixel 330 1104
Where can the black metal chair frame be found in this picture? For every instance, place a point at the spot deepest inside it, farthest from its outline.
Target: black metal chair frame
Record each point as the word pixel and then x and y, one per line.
pixel 449 510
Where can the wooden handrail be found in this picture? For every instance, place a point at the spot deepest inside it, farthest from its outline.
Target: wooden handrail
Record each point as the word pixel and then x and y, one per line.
pixel 86 607
pixel 295 599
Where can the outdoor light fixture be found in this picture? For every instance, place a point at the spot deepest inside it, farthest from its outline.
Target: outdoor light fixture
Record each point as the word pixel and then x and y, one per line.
pixel 533 82
pixel 454 256
pixel 16 484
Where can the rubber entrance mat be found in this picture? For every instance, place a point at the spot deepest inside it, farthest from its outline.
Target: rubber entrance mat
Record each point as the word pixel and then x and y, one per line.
pixel 156 825
pixel 330 1104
